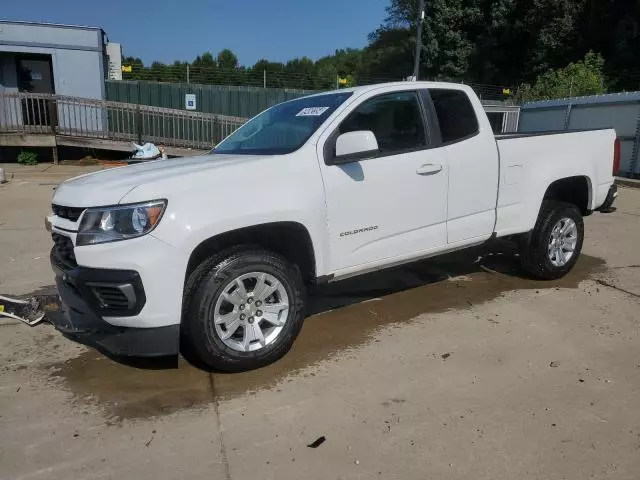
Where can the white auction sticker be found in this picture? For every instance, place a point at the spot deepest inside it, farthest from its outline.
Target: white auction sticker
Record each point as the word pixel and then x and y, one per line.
pixel 312 111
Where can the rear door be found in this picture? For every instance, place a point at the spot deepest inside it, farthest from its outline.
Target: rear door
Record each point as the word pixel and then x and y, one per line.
pixel 470 148
pixel 393 204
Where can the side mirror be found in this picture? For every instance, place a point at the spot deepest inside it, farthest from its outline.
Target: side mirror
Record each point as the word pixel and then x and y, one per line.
pixel 353 146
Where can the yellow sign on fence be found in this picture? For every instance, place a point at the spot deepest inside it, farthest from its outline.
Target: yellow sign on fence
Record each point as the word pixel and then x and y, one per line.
pixel 127 68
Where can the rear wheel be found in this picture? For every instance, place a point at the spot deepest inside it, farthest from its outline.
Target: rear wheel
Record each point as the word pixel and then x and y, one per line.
pixel 244 309
pixel 555 244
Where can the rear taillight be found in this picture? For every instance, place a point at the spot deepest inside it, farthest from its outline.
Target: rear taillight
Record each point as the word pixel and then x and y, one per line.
pixel 616 156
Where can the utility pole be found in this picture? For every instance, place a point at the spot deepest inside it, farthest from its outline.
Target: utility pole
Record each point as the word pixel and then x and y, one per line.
pixel 188 73
pixel 571 87
pixel 416 58
pixel 264 78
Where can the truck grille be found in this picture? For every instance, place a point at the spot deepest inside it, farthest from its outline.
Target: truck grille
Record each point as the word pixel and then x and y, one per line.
pixel 68 213
pixel 63 250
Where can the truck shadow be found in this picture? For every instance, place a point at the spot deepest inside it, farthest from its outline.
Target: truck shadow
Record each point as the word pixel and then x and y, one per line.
pixel 347 313
pixel 500 257
pixel 342 316
pixel 497 257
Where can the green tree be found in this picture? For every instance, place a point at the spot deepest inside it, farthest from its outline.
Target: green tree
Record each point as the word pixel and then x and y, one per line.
pixel 343 63
pixel 498 42
pixel 581 78
pixel 447 43
pixel 326 73
pixel 206 60
pixel 158 72
pixel 177 72
pixel 274 73
pixel 227 68
pixel 227 59
pixel 137 68
pixel 613 28
pixel 202 69
pixel 389 55
pixel 501 42
pixel 300 73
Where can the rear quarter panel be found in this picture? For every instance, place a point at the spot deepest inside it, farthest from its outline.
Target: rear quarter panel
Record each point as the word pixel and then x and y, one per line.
pixel 528 165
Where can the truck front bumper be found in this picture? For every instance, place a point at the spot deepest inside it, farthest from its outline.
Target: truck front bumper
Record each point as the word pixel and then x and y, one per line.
pixel 89 294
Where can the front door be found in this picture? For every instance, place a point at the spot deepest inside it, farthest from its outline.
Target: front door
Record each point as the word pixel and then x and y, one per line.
pixel 35 76
pixel 393 205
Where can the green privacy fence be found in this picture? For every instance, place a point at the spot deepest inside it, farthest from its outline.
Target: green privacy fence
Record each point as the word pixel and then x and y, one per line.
pixel 234 101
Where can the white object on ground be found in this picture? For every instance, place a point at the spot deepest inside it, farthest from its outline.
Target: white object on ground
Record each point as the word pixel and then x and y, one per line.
pixel 146 152
pixel 31 322
pixel 14 300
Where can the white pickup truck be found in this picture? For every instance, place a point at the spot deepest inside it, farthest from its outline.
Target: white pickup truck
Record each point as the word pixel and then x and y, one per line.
pixel 217 250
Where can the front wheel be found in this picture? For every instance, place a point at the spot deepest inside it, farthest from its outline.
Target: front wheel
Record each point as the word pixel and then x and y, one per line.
pixel 244 309
pixel 555 244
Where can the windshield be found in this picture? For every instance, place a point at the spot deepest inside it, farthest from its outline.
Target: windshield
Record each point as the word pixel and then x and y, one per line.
pixel 282 128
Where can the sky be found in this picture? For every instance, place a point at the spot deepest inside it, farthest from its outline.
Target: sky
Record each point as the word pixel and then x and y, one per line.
pixel 166 30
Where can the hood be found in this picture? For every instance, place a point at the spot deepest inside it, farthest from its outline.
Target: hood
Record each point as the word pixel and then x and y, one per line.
pixel 108 187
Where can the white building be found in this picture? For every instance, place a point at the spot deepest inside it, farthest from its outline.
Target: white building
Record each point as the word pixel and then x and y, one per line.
pixel 49 58
pixel 114 56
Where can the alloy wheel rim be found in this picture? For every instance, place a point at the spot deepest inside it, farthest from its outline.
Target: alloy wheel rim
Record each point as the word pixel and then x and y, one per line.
pixel 251 311
pixel 562 242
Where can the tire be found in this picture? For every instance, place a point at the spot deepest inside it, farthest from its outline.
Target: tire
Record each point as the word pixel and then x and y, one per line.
pixel 219 274
pixel 536 254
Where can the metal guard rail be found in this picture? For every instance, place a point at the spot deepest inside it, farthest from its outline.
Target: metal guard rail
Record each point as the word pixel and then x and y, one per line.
pixel 34 113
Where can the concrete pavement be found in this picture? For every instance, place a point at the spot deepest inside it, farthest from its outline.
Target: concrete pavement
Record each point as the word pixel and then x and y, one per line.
pixel 443 369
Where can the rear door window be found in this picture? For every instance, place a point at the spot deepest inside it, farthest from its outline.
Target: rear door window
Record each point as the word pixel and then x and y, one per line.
pixel 456 115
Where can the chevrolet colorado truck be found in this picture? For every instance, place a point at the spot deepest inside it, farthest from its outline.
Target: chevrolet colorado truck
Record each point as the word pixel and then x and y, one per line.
pixel 217 250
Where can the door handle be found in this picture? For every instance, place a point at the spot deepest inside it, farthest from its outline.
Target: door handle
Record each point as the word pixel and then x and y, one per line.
pixel 429 169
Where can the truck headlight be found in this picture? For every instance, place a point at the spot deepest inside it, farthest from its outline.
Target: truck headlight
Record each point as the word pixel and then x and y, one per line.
pixel 110 224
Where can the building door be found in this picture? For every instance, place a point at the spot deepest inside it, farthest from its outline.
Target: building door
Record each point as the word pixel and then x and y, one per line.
pixel 35 75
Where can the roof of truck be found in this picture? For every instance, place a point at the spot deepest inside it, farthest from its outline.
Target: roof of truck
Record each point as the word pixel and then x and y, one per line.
pixel 405 84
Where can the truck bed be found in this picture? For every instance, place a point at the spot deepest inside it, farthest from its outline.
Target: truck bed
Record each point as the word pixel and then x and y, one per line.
pixel 530 162
pixel 539 133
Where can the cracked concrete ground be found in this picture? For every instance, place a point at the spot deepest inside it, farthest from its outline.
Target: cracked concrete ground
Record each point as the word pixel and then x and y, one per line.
pixel 443 369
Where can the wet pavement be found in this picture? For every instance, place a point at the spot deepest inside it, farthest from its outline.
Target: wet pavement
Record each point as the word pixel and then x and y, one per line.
pixel 344 316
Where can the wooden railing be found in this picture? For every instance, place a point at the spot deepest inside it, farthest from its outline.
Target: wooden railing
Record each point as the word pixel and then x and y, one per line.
pixel 33 113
